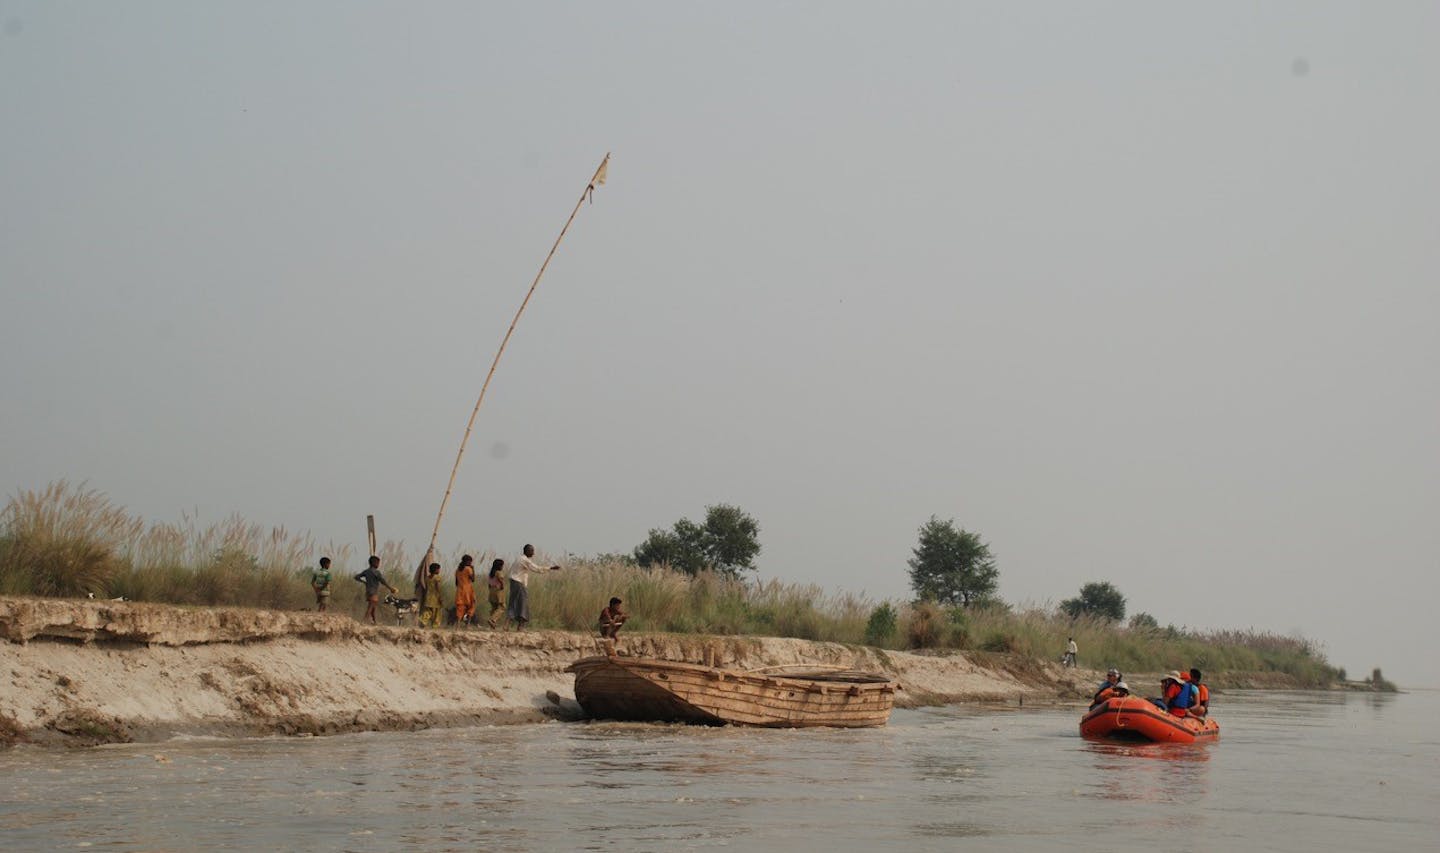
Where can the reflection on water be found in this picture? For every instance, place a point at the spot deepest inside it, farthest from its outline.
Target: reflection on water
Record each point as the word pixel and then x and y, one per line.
pixel 1291 771
pixel 1149 772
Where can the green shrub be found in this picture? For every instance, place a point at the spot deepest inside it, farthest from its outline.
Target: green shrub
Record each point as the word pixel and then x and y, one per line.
pixel 1143 622
pixel 880 627
pixel 998 641
pixel 959 628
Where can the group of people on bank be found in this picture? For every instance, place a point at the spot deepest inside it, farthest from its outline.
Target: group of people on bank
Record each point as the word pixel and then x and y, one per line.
pixel 515 606
pixel 430 593
pixel 1181 693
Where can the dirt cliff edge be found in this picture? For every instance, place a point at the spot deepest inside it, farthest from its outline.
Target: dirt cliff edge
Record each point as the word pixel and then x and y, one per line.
pixel 85 672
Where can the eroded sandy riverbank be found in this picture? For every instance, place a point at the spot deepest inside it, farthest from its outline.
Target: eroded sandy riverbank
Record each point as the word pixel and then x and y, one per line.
pixel 89 672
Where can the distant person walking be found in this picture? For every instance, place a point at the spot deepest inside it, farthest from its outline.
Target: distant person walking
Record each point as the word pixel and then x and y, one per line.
pixel 373 580
pixel 495 589
pixel 465 591
pixel 518 608
pixel 320 582
pixel 433 601
pixel 1072 652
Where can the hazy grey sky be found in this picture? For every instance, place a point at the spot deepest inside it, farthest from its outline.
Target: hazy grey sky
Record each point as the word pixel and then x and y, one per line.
pixel 1140 292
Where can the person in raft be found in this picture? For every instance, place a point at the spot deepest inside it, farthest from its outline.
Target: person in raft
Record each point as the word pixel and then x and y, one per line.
pixel 1112 678
pixel 1176 695
pixel 373 580
pixel 320 582
pixel 495 589
pixel 1071 650
pixel 433 601
pixel 518 608
pixel 1201 708
pixel 612 619
pixel 465 591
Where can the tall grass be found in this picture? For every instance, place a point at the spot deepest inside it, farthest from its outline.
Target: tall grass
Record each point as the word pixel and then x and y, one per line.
pixel 662 600
pixel 659 599
pixel 70 541
pixel 62 541
pixel 1043 632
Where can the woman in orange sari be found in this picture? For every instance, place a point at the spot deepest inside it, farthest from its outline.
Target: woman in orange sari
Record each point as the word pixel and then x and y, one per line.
pixel 465 591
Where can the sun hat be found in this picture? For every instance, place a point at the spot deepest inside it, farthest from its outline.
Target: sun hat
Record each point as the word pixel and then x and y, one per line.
pixel 1120 685
pixel 1172 676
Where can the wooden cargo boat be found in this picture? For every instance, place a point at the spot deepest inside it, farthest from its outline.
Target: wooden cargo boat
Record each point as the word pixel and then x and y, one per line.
pixel 1134 718
pixel 650 690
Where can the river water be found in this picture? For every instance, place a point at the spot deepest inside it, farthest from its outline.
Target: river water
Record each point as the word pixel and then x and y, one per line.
pixel 1292 771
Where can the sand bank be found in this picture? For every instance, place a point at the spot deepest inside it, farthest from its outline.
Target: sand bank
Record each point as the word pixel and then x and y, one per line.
pixel 85 672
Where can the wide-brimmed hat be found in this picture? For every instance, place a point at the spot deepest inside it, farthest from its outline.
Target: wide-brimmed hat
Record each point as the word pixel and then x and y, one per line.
pixel 1120 685
pixel 1172 676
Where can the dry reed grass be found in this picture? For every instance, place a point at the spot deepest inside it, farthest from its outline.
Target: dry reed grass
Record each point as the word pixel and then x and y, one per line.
pixel 61 541
pixel 70 541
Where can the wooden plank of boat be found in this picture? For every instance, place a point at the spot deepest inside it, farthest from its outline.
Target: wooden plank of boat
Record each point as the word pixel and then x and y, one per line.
pixel 627 688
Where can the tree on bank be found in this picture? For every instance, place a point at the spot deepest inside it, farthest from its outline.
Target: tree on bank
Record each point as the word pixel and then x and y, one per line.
pixel 727 542
pixel 951 566
pixel 1096 599
pixel 1143 621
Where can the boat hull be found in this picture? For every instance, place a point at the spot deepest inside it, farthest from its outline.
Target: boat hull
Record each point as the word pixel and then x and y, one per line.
pixel 648 690
pixel 1134 718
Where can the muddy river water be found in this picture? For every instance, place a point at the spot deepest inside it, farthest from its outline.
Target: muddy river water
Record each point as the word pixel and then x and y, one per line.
pixel 1292 771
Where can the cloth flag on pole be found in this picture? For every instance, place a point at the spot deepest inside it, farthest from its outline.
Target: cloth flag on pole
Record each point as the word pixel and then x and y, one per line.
pixel 599 180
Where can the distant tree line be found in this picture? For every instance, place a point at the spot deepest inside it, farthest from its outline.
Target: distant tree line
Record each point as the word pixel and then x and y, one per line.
pixel 726 542
pixel 949 566
pixel 954 567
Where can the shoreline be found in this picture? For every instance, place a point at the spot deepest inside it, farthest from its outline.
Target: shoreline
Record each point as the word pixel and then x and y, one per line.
pixel 84 672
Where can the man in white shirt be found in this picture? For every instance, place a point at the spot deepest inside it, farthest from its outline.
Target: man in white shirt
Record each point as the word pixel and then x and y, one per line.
pixel 518 606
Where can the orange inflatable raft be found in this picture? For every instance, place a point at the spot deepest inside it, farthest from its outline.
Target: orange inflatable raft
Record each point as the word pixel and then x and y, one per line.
pixel 1134 718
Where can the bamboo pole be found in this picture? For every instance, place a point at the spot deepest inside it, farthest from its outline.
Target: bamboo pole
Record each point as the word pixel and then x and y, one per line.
pixel 596 180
